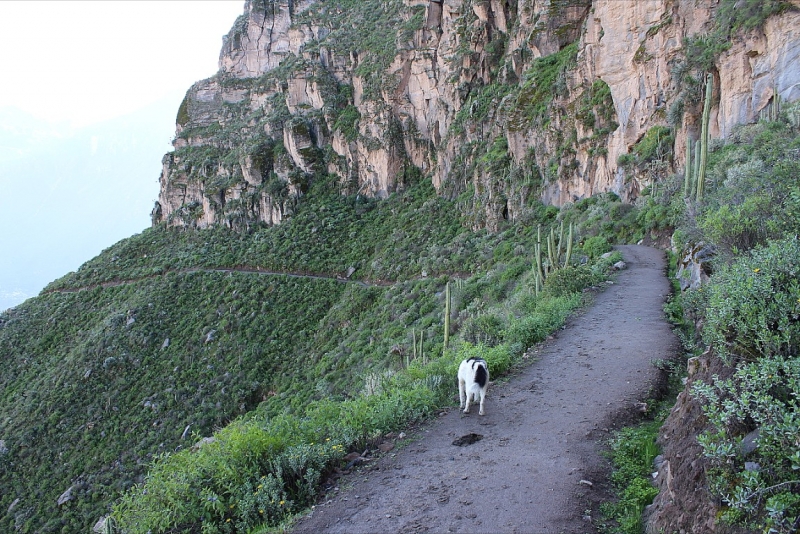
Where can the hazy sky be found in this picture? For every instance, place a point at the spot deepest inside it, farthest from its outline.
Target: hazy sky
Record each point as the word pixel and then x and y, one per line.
pixel 89 91
pixel 86 61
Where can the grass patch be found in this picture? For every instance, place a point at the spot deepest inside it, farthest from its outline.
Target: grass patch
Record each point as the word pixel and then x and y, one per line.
pixel 632 452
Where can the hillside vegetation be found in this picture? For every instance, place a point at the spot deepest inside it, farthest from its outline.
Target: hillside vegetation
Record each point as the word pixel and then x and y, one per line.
pixel 151 346
pixel 750 317
pixel 113 374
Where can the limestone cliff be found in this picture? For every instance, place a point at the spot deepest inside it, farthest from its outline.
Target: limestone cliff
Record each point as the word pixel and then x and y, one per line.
pixel 502 101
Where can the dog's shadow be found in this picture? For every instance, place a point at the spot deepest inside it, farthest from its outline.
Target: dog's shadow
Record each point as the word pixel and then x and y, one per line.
pixel 468 439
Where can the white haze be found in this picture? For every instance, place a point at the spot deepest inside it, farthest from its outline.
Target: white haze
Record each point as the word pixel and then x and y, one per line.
pixel 88 100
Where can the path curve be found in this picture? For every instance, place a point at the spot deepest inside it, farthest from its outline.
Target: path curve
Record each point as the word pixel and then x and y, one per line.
pixel 539 467
pixel 241 270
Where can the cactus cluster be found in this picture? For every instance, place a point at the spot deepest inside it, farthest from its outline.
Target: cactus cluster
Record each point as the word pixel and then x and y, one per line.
pixel 553 260
pixel 704 137
pixel 695 171
pixel 419 351
pixel 773 110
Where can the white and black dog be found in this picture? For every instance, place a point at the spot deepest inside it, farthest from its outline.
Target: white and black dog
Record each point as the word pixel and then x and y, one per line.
pixel 473 378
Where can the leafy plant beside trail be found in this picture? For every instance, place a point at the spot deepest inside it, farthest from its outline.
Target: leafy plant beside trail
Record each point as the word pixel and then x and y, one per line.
pixel 632 451
pixel 749 316
pixel 754 323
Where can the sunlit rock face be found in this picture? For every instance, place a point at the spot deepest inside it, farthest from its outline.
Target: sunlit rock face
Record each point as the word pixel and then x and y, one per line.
pixel 508 101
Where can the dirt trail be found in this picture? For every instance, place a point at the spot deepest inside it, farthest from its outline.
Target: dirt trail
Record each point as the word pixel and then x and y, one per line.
pixel 538 468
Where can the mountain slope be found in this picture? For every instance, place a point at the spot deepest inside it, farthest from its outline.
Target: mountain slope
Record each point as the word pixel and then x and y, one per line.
pixel 157 341
pixel 344 165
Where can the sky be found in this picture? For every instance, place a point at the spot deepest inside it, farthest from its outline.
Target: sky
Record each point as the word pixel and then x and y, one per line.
pixel 89 91
pixel 83 62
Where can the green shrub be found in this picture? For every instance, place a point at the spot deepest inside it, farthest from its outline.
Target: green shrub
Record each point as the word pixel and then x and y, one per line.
pixel 486 329
pixel 550 314
pixel 754 304
pixel 569 280
pixel 655 145
pixel 596 246
pixel 626 160
pixel 632 451
pixel 754 319
pixel 527 331
pixel 347 123
pixel 740 227
pixel 760 396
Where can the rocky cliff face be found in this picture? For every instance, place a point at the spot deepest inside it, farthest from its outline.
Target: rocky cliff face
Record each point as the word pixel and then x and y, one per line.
pixel 505 102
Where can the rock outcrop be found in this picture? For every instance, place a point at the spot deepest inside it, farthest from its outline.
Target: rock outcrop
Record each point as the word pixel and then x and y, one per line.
pixel 684 504
pixel 508 101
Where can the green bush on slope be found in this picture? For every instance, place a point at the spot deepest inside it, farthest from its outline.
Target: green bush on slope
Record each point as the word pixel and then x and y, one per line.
pixel 750 317
pixel 754 322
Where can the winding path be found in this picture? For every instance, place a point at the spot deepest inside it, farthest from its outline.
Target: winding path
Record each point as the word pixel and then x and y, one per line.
pixel 539 467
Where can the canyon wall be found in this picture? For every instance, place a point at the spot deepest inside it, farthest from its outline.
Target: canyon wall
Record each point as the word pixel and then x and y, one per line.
pixel 506 102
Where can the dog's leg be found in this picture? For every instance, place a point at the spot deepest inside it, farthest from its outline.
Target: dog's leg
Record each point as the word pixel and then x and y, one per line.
pixel 469 397
pixel 461 392
pixel 483 396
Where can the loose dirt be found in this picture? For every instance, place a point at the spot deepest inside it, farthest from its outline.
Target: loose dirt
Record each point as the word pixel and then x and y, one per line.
pixel 539 465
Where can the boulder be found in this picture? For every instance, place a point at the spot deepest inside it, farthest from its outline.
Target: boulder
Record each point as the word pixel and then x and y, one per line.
pixel 693 267
pixel 66 496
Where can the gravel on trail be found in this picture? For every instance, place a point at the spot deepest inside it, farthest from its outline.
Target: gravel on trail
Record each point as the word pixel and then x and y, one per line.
pixel 538 466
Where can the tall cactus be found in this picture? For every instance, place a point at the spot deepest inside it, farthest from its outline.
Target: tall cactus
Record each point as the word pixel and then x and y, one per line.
pixel 447 315
pixel 701 177
pixel 568 254
pixel 560 240
pixel 696 171
pixel 687 173
pixel 775 109
pixel 539 268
